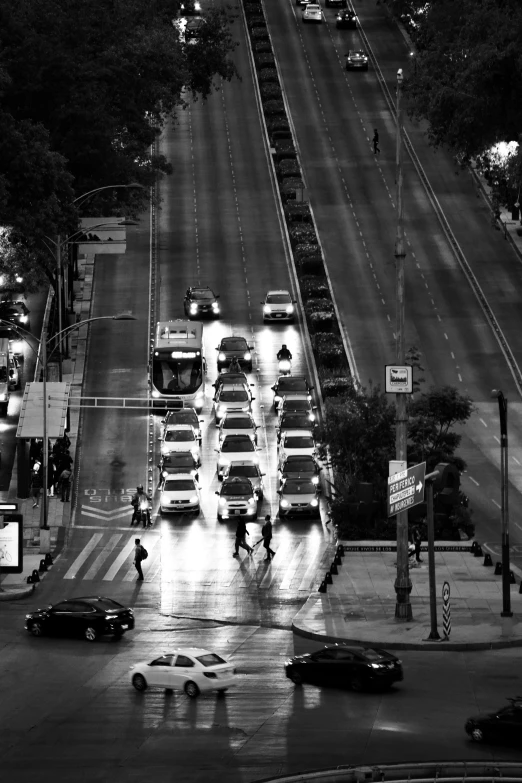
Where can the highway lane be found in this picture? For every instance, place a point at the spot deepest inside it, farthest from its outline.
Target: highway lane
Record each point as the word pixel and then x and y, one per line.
pixel 352 194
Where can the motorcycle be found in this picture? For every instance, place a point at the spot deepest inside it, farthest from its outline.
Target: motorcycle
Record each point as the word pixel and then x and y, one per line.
pixel 285 366
pixel 143 513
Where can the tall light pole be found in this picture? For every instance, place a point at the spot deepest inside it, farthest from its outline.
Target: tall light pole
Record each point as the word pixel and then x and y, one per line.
pixel 402 581
pixel 506 588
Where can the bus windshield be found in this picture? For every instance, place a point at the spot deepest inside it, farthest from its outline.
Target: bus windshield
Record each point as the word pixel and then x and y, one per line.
pixel 177 376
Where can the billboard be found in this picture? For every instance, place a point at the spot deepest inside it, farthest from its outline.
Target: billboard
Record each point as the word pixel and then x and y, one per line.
pixel 11 544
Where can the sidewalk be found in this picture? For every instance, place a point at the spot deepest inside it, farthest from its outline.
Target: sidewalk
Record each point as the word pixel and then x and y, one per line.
pixel 359 607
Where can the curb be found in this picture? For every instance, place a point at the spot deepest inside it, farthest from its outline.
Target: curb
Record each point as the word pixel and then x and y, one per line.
pixel 13 594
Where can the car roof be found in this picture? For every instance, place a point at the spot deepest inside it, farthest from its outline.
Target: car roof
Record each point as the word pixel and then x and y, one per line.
pixel 300 458
pixel 180 477
pixel 236 480
pixel 296 434
pixel 231 338
pixel 232 387
pixel 356 51
pixel 278 291
pixel 194 651
pixel 281 378
pixel 182 427
pixel 241 437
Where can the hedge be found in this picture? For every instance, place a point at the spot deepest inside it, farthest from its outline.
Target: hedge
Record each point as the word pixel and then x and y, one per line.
pixel 268 75
pixel 298 212
pixel 288 168
pixel 274 107
pixel 289 186
pixel 265 60
pixel 314 286
pixel 336 387
pixel 328 349
pixel 305 249
pixel 318 305
pixel 270 92
pixel 261 47
pixel 300 233
pixel 311 265
pixel 323 321
pixel 254 22
pixel 259 34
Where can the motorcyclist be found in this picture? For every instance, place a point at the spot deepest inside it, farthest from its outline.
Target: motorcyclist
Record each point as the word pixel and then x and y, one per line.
pixel 234 365
pixel 284 354
pixel 136 500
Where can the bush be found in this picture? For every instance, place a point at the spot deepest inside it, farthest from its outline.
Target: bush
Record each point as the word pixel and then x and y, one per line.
pixel 268 75
pixel 275 124
pixel 322 321
pixel 318 306
pixel 259 34
pixel 265 60
pixel 314 286
pixel 274 107
pixel 270 92
pixel 328 349
pixel 300 233
pixel 311 265
pixel 305 249
pixel 262 47
pixel 288 168
pixel 284 148
pixel 289 187
pixel 299 212
pixel 255 22
pixel 336 387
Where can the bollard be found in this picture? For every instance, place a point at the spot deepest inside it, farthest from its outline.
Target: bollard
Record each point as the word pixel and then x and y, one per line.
pixel 487 559
pixel 478 551
pixel 498 568
pixel 322 587
pixel 340 550
pixel 474 546
pixel 333 569
pixel 338 560
pixel 512 580
pixel 48 559
pixel 328 578
pixel 35 576
pixel 43 566
pixel 30 580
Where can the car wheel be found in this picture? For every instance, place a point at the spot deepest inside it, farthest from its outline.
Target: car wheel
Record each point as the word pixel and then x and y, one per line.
pixel 356 683
pixel 90 634
pixel 296 678
pixel 191 689
pixel 37 629
pixel 222 690
pixel 477 735
pixel 139 682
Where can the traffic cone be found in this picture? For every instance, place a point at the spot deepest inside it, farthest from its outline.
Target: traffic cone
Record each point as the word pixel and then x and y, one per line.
pixel 322 587
pixel 498 568
pixel 328 578
pixel 35 576
pixel 487 560
pixel 478 551
pixel 333 569
pixel 43 566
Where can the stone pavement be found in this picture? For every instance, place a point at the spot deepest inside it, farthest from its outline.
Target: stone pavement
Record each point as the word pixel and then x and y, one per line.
pixel 359 606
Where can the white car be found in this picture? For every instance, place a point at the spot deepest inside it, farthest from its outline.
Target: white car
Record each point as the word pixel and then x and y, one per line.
pixel 298 497
pixel 190 669
pixel 238 423
pixel 312 13
pixel 179 494
pixel 251 471
pixel 180 437
pixel 295 442
pixel 231 398
pixel 235 448
pixel 236 498
pixel 278 306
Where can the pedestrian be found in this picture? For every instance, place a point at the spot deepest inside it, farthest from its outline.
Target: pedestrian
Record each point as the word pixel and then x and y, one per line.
pixel 139 555
pixel 241 533
pixel 375 140
pixel 65 461
pixel 266 532
pixel 52 476
pixel 36 484
pixel 65 484
pixel 417 540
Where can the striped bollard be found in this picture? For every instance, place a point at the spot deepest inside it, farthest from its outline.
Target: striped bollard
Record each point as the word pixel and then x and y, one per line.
pixel 446 611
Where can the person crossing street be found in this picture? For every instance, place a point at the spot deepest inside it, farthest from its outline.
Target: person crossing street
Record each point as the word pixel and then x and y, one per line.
pixel 266 532
pixel 241 533
pixel 140 554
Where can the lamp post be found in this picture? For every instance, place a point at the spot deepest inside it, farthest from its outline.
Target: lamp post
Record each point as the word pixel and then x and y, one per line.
pixel 43 360
pixel 402 581
pixel 504 512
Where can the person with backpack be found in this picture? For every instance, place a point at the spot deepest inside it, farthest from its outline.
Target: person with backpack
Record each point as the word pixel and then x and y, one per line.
pixel 266 532
pixel 140 554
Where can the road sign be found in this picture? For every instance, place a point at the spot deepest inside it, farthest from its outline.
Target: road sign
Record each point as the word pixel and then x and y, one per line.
pixel 406 489
pixel 446 610
pixel 399 379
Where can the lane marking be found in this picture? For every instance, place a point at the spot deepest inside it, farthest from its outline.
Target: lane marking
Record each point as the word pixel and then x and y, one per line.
pixel 82 557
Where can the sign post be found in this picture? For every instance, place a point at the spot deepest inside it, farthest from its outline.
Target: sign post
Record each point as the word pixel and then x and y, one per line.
pixel 406 489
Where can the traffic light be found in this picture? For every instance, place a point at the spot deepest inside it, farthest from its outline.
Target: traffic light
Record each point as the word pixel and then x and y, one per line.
pixel 447 484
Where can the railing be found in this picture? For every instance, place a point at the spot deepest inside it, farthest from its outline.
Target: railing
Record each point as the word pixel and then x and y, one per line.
pixel 127 403
pixel 423 772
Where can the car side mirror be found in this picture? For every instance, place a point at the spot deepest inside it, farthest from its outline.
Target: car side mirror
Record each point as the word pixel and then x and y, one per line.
pixel 250 347
pixel 163 421
pixel 202 421
pixel 216 493
pixel 217 451
pixel 253 398
pixel 263 474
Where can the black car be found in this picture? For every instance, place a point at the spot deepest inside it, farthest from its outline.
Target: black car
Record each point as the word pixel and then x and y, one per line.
pixel 234 348
pixel 291 384
pixel 297 466
pixel 231 378
pixel 356 60
pixel 16 313
pixel 193 29
pixel 201 301
pixel 86 617
pixel 190 8
pixel 346 20
pixel 504 726
pixel 336 3
pixel 294 421
pixel 344 666
pixel 176 463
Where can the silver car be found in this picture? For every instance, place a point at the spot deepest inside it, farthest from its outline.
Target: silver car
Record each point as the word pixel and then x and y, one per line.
pixel 236 499
pixel 298 497
pixel 231 398
pixel 247 469
pixel 238 423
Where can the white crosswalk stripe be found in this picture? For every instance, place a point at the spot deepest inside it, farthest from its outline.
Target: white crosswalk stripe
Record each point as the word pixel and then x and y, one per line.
pixel 82 557
pixel 102 557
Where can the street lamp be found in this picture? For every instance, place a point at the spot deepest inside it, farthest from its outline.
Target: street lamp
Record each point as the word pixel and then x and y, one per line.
pixel 402 581
pixel 504 512
pixel 44 358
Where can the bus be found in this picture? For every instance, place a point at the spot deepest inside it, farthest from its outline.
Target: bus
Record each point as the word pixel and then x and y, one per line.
pixel 178 365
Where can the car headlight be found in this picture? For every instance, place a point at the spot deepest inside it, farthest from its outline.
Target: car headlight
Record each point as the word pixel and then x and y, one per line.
pixel 284 503
pixel 250 512
pixel 309 397
pixel 155 393
pixel 3 396
pixel 195 453
pixel 267 309
pixel 376 666
pixel 215 306
pixel 197 7
pixel 164 473
pixel 193 307
pixel 245 409
pixel 251 501
pixel 112 617
pixel 277 399
pixel 222 501
pixel 23 319
pixel 28 617
pixel 16 346
pixel 314 502
pixel 290 309
pixel 315 480
pixel 193 499
pixel 247 356
pixel 223 461
pixel 222 357
pixel 200 396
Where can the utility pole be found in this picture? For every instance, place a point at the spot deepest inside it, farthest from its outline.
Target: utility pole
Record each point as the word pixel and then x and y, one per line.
pixel 402 581
pixel 506 587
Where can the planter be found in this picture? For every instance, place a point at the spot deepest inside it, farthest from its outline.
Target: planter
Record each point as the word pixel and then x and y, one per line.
pixel 268 75
pixel 288 168
pixel 314 286
pixel 290 187
pixel 262 47
pixel 301 232
pixel 265 60
pixel 270 92
pixel 336 387
pixel 305 249
pixel 273 107
pixel 285 150
pixel 328 349
pixel 259 34
pixel 254 22
pixel 298 213
pixel 319 306
pixel 322 321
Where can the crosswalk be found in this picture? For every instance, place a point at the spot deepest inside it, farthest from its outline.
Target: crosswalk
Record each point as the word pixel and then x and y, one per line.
pixel 203 561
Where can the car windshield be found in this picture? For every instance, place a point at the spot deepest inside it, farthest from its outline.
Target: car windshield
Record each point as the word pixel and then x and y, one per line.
pixel 237 445
pixel 178 436
pixel 278 299
pixel 299 466
pixel 299 487
pixel 292 384
pixel 233 396
pixel 210 659
pixel 299 442
pixel 296 405
pixel 234 345
pixel 186 461
pixel 250 471
pixel 178 485
pixel 183 417
pixel 236 488
pixel 203 294
pixel 291 420
pixel 237 424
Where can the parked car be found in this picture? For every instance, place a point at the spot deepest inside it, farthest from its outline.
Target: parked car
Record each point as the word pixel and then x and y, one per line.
pixel 312 13
pixel 193 29
pixel 236 498
pixel 248 469
pixel 234 348
pixel 356 61
pixel 89 618
pixel 191 669
pixel 279 306
pixel 298 497
pixel 179 494
pixel 503 726
pixel 342 665
pixel 200 302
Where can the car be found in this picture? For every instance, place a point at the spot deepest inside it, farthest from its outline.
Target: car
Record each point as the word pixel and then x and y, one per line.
pixel 236 498
pixel 15 372
pixel 231 398
pixel 190 8
pixel 346 19
pixel 503 726
pixel 356 61
pixel 278 306
pixel 179 494
pixel 184 416
pixel 191 669
pixel 89 617
pixel 238 423
pixel 295 442
pixel 247 469
pixel 298 497
pixel 297 385
pixel 176 463
pixel 236 378
pixel 294 421
pixel 302 2
pixel 300 466
pixel 312 13
pixel 291 403
pixel 201 301
pixel 235 447
pixel 342 665
pixel 234 348
pixel 193 29
pixel 336 3
pixel 15 313
pixel 180 437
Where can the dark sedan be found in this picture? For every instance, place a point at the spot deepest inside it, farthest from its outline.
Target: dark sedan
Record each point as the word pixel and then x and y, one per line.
pixel 16 313
pixel 503 726
pixel 346 20
pixel 298 466
pixel 357 668
pixel 88 618
pixel 201 302
pixel 234 348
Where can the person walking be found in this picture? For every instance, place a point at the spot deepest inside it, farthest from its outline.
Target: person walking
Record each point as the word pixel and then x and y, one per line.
pixel 417 540
pixel 52 476
pixel 376 148
pixel 138 558
pixel 241 533
pixel 266 532
pixel 36 484
pixel 64 461
pixel 65 484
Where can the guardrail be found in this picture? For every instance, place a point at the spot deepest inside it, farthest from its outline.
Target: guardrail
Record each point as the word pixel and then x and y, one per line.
pixel 129 403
